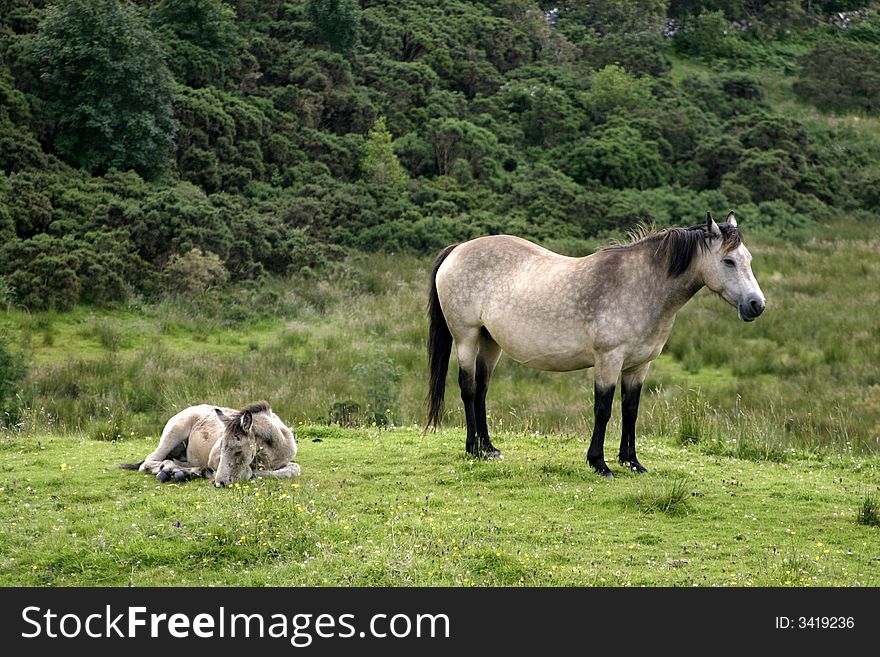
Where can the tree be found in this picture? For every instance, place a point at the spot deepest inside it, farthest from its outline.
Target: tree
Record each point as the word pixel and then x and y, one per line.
pixel 379 163
pixel 201 38
pixel 336 22
pixel 108 92
pixel 612 88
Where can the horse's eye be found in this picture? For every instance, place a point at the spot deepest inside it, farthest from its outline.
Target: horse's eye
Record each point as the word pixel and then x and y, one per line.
pixel 729 262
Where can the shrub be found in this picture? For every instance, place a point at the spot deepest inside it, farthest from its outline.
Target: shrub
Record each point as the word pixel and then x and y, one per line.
pixel 710 37
pixel 613 89
pixel 192 273
pixel 380 380
pixel 841 75
pixel 617 156
pixel 12 371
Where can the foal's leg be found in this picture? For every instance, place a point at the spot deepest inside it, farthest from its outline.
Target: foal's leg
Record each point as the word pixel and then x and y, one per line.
pixel 607 371
pixel 287 472
pixel 631 388
pixel 487 358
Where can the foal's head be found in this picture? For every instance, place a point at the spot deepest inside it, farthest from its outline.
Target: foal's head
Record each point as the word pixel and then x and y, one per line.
pixel 238 445
pixel 726 268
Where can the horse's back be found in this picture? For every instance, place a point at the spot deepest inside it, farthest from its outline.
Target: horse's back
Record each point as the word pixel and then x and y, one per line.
pixel 527 298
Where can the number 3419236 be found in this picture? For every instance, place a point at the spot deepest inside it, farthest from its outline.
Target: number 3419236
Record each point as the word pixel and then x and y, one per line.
pixel 815 622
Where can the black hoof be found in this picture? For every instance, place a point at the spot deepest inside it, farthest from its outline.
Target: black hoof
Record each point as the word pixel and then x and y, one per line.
pixel 634 465
pixel 163 476
pixel 486 451
pixel 181 476
pixel 601 468
pixel 490 454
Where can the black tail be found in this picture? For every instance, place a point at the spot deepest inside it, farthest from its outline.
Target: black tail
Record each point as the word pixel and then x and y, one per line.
pixel 439 347
pixel 130 466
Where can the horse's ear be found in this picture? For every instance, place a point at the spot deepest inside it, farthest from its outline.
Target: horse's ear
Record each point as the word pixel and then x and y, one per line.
pixel 731 218
pixel 711 226
pixel 246 421
pixel 225 419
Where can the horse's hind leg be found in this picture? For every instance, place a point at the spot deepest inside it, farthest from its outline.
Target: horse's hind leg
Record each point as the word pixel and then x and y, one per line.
pixel 467 345
pixel 631 388
pixel 487 358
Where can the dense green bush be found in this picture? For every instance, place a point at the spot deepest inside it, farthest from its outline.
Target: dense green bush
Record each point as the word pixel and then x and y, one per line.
pixel 106 86
pixel 616 156
pixel 841 75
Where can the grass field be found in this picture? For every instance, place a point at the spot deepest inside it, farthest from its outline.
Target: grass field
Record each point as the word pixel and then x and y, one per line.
pixel 763 442
pixel 394 508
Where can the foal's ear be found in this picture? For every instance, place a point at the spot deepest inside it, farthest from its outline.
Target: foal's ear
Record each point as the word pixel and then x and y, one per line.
pixel 225 419
pixel 711 226
pixel 246 421
pixel 731 218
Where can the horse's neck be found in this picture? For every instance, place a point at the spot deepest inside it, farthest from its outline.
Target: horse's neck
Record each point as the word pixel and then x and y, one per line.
pixel 666 294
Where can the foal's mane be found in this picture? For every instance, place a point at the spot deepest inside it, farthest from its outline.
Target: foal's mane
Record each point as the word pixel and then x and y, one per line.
pixel 676 247
pixel 256 407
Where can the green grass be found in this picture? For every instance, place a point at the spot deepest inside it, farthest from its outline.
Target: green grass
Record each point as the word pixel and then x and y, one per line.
pixel 869 513
pixel 396 508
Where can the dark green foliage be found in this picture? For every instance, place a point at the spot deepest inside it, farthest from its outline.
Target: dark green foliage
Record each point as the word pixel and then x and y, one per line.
pixel 335 21
pixel 841 75
pixel 107 89
pixel 616 156
pixel 144 143
pixel 709 36
pixel 200 37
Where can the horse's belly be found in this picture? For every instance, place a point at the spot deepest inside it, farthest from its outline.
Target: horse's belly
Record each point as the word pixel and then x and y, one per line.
pixel 550 348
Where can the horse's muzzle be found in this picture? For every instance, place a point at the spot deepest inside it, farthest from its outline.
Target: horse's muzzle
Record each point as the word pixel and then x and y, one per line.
pixel 751 310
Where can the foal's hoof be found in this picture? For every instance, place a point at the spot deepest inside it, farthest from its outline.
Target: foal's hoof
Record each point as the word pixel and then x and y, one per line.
pixel 181 476
pixel 634 465
pixel 163 476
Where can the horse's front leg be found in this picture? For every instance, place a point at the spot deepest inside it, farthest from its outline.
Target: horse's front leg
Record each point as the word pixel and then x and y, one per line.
pixel 631 389
pixel 607 371
pixel 601 414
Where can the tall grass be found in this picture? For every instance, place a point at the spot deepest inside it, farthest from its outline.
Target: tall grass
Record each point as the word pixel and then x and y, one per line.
pixel 806 375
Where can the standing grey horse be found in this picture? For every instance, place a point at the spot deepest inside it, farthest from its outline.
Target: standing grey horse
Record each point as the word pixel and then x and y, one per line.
pixel 224 445
pixel 612 310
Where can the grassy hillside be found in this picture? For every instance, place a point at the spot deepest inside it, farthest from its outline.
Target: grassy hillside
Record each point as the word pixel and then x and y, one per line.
pixel 396 508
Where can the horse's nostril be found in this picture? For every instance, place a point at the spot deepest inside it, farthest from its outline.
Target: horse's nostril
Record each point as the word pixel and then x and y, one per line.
pixel 222 484
pixel 757 306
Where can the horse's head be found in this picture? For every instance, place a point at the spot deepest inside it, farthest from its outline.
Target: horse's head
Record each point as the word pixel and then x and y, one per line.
pixel 237 447
pixel 726 268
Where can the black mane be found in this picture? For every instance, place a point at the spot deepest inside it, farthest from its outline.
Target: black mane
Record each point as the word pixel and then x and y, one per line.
pixel 676 247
